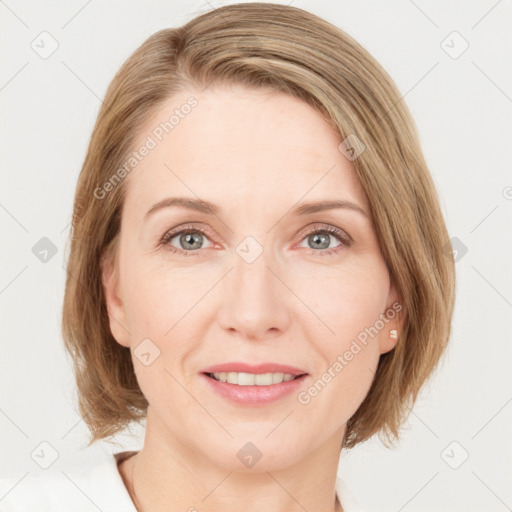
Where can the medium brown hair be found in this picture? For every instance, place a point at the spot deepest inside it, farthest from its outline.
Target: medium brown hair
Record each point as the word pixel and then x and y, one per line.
pixel 296 52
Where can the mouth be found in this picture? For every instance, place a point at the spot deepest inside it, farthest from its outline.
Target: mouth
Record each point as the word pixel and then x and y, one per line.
pixel 253 384
pixel 253 389
pixel 253 379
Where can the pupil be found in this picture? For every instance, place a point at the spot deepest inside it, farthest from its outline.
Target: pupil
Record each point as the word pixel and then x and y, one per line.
pixel 322 239
pixel 188 238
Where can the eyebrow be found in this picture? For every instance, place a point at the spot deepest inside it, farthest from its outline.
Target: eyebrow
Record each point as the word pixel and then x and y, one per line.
pixel 320 206
pixel 184 202
pixel 202 206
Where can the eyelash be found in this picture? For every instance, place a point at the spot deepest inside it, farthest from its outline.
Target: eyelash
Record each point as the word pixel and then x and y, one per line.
pixel 346 240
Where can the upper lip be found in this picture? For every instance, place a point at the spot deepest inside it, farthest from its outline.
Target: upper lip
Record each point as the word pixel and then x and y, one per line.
pixel 250 368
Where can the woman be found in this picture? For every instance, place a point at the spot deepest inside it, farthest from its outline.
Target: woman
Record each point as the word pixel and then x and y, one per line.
pixel 257 268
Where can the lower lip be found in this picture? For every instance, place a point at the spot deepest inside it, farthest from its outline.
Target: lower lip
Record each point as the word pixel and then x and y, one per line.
pixel 254 395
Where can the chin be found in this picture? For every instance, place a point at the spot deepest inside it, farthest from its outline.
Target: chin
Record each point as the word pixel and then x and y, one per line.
pixel 253 453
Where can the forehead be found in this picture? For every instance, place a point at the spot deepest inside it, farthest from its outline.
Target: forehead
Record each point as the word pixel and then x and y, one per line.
pixel 239 143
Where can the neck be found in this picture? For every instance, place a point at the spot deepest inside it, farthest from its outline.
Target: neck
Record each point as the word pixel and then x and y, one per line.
pixel 167 474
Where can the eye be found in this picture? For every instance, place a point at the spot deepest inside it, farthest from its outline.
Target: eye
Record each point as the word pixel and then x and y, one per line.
pixel 189 240
pixel 319 240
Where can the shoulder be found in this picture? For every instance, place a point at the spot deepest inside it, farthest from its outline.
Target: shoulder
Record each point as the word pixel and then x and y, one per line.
pixel 98 486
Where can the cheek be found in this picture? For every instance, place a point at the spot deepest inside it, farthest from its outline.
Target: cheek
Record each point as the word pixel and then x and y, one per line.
pixel 160 307
pixel 336 304
pixel 349 304
pixel 349 363
pixel 158 297
pixel 347 300
pixel 348 379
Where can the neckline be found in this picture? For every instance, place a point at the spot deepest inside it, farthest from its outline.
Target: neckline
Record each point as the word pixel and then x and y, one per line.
pixel 121 456
pixel 345 497
pixel 118 458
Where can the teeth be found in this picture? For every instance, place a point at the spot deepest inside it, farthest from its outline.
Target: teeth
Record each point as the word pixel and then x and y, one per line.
pixel 251 379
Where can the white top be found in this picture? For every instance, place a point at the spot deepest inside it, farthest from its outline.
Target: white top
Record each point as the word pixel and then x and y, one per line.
pixel 97 488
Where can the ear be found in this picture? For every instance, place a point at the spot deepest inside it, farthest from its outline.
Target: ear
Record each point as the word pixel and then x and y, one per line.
pixel 113 302
pixel 395 313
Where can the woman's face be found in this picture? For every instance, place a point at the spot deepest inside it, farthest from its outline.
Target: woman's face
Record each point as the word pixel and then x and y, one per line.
pixel 258 282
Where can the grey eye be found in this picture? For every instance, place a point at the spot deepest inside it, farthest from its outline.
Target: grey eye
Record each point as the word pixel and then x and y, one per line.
pixel 188 240
pixel 321 240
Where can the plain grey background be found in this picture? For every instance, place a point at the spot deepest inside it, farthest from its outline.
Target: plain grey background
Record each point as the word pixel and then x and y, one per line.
pixel 451 61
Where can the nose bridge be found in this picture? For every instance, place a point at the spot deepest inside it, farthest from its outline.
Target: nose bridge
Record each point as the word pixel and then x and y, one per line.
pixel 251 264
pixel 255 303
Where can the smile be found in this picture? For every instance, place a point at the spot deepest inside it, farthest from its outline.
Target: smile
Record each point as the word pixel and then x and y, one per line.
pixel 252 379
pixel 253 389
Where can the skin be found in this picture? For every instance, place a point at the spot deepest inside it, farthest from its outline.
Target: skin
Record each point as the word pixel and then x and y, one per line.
pixel 256 153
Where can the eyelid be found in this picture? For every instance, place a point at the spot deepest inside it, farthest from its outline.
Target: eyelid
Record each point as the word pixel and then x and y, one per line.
pixel 164 243
pixel 171 233
pixel 343 237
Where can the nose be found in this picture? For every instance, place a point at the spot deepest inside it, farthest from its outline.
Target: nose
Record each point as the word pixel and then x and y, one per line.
pixel 255 302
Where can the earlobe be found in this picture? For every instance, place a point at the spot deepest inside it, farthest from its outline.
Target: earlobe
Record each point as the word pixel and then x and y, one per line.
pixel 388 338
pixel 113 302
pixel 395 313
